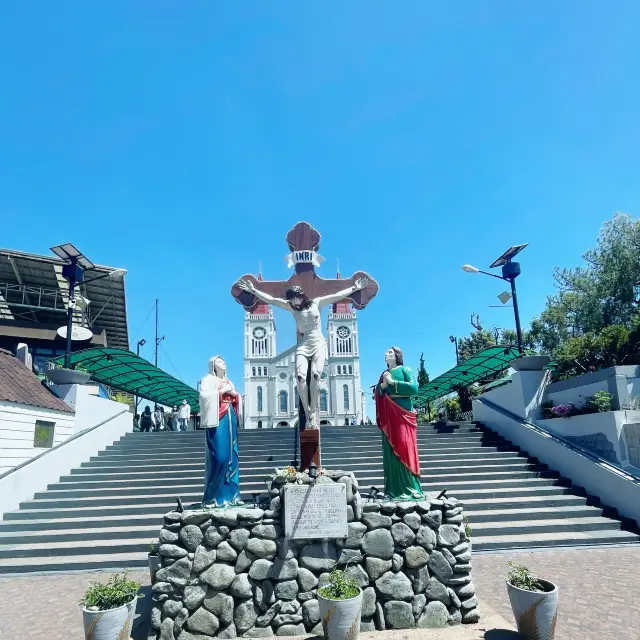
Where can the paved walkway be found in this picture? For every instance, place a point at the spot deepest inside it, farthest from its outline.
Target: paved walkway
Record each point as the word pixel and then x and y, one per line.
pixel 599 598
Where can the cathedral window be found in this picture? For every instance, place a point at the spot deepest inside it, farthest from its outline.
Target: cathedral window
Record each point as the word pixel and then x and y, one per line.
pixel 350 370
pixel 283 399
pixel 345 392
pixel 253 370
pixel 259 398
pixel 339 369
pixel 265 371
pixel 323 400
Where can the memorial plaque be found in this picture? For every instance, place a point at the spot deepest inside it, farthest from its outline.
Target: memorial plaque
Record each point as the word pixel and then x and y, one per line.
pixel 315 511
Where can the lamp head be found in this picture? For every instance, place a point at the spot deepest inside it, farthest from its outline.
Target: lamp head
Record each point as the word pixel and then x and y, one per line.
pixel 469 268
pixel 142 342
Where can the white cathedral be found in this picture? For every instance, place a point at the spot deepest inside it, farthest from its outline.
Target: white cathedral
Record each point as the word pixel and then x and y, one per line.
pixel 271 394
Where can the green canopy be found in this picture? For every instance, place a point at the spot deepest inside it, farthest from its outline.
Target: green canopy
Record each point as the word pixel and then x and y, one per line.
pixel 125 371
pixel 477 367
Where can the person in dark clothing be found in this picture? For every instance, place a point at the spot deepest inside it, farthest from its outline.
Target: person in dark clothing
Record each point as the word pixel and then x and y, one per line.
pixel 146 423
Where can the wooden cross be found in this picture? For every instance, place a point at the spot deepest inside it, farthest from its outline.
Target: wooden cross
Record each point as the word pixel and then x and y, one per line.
pixel 304 242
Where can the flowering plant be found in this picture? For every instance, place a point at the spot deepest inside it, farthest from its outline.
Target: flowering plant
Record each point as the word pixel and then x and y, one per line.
pixel 289 473
pixel 562 410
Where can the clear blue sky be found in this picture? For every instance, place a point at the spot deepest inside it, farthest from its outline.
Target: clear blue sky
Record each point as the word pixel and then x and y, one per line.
pixel 181 140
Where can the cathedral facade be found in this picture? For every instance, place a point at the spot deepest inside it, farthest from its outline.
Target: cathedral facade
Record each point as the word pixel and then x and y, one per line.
pixel 271 394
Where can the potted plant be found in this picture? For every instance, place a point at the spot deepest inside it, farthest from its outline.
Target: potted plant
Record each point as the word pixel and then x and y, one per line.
pixel 340 602
pixel 534 603
pixel 79 375
pixel 530 363
pixel 109 608
pixel 155 561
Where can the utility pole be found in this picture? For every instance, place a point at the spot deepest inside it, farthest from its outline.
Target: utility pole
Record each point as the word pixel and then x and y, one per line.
pixel 156 352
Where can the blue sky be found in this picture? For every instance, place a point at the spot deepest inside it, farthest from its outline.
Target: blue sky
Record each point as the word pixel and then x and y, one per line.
pixel 182 140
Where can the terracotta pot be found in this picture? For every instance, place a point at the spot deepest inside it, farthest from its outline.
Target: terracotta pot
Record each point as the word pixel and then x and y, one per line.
pixel 341 618
pixel 112 624
pixel 535 612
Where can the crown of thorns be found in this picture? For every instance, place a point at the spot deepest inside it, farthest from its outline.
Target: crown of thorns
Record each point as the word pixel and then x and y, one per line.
pixel 294 292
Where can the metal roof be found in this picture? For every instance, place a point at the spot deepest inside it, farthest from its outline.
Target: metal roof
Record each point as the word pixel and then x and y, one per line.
pixel 32 289
pixel 477 367
pixel 125 371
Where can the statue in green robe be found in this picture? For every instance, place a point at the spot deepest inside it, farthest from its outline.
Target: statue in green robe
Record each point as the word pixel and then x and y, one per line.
pixel 397 422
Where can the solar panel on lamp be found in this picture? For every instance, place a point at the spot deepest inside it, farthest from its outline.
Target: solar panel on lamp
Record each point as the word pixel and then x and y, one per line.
pixel 510 253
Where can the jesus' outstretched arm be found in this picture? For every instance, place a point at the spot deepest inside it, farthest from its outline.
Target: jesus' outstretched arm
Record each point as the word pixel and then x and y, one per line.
pixel 249 287
pixel 360 284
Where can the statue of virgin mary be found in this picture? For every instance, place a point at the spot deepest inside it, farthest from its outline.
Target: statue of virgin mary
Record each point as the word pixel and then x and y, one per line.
pixel 220 414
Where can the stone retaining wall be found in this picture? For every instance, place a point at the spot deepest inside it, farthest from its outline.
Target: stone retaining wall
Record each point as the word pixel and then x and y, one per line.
pixel 231 572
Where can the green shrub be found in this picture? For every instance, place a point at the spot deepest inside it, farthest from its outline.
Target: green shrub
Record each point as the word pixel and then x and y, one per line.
pixel 467 527
pixel 339 587
pixel 153 548
pixel 600 401
pixel 113 594
pixel 519 576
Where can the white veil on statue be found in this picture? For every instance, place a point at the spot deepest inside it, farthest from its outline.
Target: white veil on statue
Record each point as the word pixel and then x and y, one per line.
pixel 210 397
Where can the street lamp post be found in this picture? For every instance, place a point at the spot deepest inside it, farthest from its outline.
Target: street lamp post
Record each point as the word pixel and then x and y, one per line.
pixel 455 342
pixel 510 271
pixel 140 343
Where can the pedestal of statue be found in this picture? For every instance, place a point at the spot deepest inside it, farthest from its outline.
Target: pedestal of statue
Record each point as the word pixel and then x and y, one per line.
pixel 309 448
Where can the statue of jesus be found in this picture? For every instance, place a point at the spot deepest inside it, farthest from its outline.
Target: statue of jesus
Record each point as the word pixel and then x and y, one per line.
pixel 312 348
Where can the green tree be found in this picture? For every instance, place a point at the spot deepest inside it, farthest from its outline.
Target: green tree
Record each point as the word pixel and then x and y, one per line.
pixel 423 376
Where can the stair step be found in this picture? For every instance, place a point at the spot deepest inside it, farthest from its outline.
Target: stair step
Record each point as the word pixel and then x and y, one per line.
pixel 586 523
pixel 528 512
pixel 71 563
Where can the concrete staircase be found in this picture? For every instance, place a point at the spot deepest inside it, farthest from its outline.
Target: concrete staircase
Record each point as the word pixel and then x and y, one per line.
pixel 84 521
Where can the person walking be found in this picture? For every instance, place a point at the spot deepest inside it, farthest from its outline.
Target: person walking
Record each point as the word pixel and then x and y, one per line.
pixel 158 418
pixel 146 421
pixel 173 418
pixel 136 422
pixel 184 414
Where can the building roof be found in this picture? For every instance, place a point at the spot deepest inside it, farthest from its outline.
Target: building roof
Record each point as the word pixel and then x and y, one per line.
pixel 19 385
pixel 33 292
pixel 262 308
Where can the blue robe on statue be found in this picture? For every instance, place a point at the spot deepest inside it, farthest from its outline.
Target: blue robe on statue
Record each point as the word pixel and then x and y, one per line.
pixel 222 473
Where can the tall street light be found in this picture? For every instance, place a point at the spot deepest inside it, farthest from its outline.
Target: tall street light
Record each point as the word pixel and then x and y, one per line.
pixel 455 341
pixel 510 271
pixel 141 343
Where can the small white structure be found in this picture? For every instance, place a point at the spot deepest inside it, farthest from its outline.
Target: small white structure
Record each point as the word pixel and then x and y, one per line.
pixel 32 419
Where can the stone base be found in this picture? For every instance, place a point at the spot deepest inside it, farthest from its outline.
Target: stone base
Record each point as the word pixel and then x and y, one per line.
pixel 231 572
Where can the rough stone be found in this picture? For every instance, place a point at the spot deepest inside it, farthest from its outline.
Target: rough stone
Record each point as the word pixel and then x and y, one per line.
pixel 181 618
pixel 191 536
pixel 159 597
pixel 398 562
pixel 168 537
pixel 212 537
pixel 402 535
pixel 439 566
pixel 398 615
pixel 226 553
pixel 171 609
pixel 471 616
pixel 455 617
pixel 406 507
pixel 292 606
pixel 433 519
pixel 375 520
pixel 366 626
pixel 203 559
pixel 350 555
pixel 257 632
pixel 350 514
pixel 368 507
pixel 173 516
pixel 289 618
pixel 250 515
pixel 455 601
pixel 156 617
pixel 245 616
pixel 315 558
pixel 471 603
pixel 267 618
pixel 357 506
pixel 268 531
pixel 356 572
pixel 419 578
pixel 238 539
pixel 306 580
pixel 166 629
pixel 453 512
pixel 178 573
pixel 417 605
pixel 311 613
pixel 203 621
pixel 174 526
pixel 241 587
pixel 450 558
pixel 413 521
pixel 229 633
pixel 276 503
pixel 394 586
pixel 388 507
pixel 355 532
pixel 381 625
pixel 264 595
pixel 261 548
pixel 459 579
pixel 466 590
pixel 193 596
pixel 307 595
pixel 221 604
pixel 454 519
pixel 291 630
pixel 376 567
pixel 448 535
pixel 162 587
pixel 437 591
pixel 378 544
pixel 195 517
pixel 284 569
pixel 416 557
pixel 287 590
pixel 395 518
pixel 172 551
pixel 435 616
pixel 426 538
pixel 464 557
pixel 368 602
pixel 228 517
pixel 244 561
pixel 219 576
pixel 462 568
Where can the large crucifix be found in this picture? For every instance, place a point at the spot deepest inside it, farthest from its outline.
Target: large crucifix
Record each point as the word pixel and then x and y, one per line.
pixel 304 294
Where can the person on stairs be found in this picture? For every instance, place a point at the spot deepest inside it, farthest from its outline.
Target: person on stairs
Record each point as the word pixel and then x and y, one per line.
pixel 146 421
pixel 158 418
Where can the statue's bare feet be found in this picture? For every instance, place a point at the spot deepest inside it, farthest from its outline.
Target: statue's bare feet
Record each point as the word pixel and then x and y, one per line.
pixel 313 423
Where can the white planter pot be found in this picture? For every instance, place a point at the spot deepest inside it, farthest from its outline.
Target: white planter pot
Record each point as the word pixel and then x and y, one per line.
pixel 67 376
pixel 535 613
pixel 112 624
pixel 530 363
pixel 340 618
pixel 155 563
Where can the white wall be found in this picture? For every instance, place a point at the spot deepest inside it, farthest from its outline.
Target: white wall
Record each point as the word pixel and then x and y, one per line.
pixel 577 395
pixel 17 430
pixel 612 488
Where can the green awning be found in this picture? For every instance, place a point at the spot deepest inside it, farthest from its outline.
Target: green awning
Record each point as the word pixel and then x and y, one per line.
pixel 478 367
pixel 125 371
